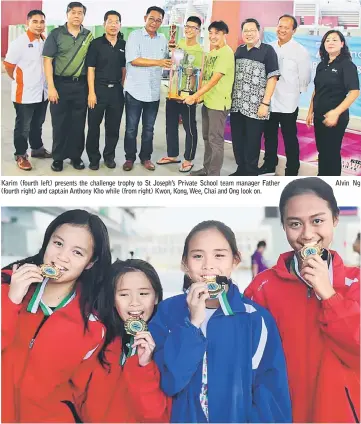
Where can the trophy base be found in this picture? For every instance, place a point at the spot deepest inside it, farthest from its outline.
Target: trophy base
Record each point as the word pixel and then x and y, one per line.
pixel 181 95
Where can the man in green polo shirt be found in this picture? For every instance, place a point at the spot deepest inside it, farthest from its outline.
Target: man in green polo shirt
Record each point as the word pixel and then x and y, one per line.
pixel 218 77
pixel 64 54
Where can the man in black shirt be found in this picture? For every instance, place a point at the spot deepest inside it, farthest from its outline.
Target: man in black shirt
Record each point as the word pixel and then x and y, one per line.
pixel 255 79
pixel 106 74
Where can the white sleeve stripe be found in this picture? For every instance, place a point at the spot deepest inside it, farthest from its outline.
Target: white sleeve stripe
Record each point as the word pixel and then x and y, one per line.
pixel 349 282
pixel 261 346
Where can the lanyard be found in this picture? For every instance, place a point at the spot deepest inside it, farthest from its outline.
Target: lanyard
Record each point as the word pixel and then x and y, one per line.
pixel 36 301
pixel 131 352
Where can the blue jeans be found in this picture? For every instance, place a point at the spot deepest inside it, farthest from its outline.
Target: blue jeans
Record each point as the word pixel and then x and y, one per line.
pixel 133 109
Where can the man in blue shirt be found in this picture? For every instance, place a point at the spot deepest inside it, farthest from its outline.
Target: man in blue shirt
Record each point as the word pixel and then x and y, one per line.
pixel 146 53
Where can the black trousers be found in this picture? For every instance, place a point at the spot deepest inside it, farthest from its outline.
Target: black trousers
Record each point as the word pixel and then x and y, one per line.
pixel 110 102
pixel 328 142
pixel 246 142
pixel 68 118
pixel 28 126
pixel 172 110
pixel 288 123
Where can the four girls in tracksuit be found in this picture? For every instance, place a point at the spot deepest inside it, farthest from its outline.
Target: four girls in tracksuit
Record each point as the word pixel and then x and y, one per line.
pixel 316 305
pixel 48 352
pixel 220 364
pixel 125 385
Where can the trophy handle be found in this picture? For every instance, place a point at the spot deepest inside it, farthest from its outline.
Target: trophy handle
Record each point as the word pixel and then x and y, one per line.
pixel 179 86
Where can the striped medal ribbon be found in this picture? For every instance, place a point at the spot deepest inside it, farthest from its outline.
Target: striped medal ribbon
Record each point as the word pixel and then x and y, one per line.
pixel 36 301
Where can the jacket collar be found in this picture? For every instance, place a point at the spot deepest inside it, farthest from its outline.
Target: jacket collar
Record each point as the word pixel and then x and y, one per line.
pixel 32 36
pixel 65 29
pixel 282 271
pixel 235 299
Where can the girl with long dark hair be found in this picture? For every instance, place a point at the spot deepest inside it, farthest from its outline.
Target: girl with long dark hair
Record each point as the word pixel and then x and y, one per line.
pixel 125 383
pixel 50 334
pixel 336 88
pixel 315 300
pixel 219 354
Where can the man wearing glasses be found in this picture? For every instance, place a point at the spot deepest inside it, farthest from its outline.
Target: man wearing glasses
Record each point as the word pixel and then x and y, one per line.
pixel 146 52
pixel 188 112
pixel 255 81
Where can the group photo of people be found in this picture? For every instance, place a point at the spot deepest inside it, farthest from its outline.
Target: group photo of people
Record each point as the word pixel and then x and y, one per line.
pixel 77 81
pixel 94 330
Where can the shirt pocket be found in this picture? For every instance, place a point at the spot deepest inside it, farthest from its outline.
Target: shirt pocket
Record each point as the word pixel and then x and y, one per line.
pixel 289 65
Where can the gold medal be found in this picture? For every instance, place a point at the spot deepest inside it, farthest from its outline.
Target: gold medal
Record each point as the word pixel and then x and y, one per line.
pixel 309 250
pixel 135 325
pixel 50 271
pixel 214 288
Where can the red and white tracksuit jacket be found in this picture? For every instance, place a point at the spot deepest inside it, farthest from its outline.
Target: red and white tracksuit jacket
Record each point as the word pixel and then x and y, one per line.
pixel 321 340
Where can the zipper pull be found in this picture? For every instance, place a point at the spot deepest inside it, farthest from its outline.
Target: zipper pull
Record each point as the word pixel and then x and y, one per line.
pixel 31 343
pixel 309 293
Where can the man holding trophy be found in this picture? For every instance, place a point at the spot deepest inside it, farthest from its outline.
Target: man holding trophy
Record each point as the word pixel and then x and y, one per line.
pixel 187 64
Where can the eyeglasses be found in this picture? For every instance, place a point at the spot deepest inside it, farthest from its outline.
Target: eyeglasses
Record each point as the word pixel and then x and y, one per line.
pixel 250 31
pixel 157 21
pixel 193 28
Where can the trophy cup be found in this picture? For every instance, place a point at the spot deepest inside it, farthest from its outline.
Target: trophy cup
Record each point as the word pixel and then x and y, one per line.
pixel 185 77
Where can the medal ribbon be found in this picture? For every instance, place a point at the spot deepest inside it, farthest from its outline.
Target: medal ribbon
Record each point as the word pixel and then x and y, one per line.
pixel 131 352
pixel 36 301
pixel 296 266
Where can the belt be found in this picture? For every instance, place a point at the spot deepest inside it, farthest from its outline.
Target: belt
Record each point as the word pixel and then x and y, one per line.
pixel 109 84
pixel 70 78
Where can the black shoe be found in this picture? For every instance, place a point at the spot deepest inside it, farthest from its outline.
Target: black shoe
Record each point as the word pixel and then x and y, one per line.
pixel 94 166
pixel 266 170
pixel 110 163
pixel 78 164
pixel 290 173
pixel 57 166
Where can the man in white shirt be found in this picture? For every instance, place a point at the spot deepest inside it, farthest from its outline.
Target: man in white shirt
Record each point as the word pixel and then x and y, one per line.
pixel 24 65
pixel 295 67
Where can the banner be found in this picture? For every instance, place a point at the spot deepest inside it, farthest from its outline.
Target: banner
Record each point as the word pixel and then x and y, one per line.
pixel 312 44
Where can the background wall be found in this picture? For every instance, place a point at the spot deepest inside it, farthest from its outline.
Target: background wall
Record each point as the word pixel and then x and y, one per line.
pixel 234 12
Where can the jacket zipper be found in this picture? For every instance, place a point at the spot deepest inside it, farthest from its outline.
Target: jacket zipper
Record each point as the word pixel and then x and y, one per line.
pixel 18 388
pixel 356 418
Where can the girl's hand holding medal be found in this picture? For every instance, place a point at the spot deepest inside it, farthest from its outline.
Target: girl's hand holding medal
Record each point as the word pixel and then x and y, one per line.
pixel 196 300
pixel 145 347
pixel 315 272
pixel 21 280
